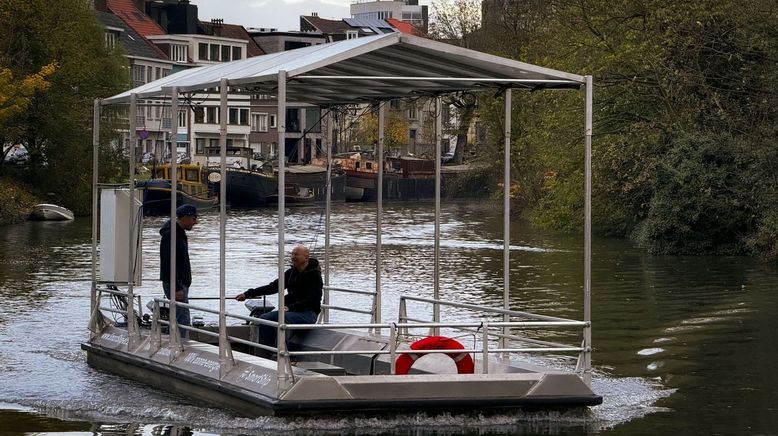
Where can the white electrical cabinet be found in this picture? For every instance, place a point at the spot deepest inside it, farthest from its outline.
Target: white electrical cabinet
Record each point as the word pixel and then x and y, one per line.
pixel 117 232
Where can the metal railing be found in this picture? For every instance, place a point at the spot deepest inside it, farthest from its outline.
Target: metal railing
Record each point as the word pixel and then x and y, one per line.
pixel 396 330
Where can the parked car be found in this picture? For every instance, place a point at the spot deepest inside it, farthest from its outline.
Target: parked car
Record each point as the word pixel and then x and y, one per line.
pixel 148 158
pixel 17 156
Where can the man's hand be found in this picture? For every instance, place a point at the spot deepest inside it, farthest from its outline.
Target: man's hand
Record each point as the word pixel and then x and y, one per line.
pixel 240 297
pixel 286 309
pixel 180 295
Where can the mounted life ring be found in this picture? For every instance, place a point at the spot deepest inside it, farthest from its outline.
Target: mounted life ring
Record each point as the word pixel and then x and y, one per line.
pixel 463 360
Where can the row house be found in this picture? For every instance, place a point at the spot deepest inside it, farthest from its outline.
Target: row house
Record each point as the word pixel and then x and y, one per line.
pixel 146 63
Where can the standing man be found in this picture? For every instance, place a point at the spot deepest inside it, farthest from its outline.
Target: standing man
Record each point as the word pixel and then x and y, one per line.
pixel 186 218
pixel 303 298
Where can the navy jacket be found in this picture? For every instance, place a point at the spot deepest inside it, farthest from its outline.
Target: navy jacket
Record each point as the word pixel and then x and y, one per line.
pixel 304 289
pixel 183 268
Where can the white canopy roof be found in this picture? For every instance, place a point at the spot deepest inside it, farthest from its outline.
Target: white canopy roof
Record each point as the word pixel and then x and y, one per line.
pixel 364 69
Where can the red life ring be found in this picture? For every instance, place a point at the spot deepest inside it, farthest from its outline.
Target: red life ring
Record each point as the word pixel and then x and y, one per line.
pixel 464 362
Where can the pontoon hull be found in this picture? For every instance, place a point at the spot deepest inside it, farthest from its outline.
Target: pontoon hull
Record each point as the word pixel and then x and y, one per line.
pixel 250 388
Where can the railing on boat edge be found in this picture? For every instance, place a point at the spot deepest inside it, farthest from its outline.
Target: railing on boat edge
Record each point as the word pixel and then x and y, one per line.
pixel 397 330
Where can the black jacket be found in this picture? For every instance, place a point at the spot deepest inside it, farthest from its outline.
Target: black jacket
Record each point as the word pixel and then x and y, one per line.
pixel 183 268
pixel 303 288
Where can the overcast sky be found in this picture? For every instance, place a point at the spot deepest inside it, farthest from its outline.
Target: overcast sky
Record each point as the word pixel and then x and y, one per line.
pixel 280 14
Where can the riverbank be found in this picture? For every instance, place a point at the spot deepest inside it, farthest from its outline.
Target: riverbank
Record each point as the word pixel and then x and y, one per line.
pixel 16 200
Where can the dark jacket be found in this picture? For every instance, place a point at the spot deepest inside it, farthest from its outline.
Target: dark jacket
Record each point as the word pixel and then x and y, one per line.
pixel 183 268
pixel 303 288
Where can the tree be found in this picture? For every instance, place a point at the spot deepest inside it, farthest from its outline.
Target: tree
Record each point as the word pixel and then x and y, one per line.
pixel 455 21
pixel 55 126
pixel 15 94
pixel 685 113
pixel 395 131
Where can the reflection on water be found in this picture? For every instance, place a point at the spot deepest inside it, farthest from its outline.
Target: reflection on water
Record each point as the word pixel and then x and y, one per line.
pixel 677 339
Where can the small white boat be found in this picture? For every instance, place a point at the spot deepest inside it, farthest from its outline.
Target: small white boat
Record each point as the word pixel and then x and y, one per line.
pixel 50 212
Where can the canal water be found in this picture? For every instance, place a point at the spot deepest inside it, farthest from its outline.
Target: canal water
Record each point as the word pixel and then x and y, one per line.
pixel 683 345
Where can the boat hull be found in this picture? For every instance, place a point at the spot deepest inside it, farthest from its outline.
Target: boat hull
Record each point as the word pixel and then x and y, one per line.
pixel 249 386
pixel 50 212
pixel 249 188
pixel 315 179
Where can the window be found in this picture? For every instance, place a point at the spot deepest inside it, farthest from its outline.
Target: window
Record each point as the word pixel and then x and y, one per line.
pixel 192 175
pixel 202 51
pixel 111 39
pixel 352 34
pixel 273 123
pixel 199 114
pixel 394 104
pixel 178 52
pixel 213 52
pixel 182 119
pixel 157 73
pixel 412 111
pixel 239 116
pixel 237 53
pixel 137 75
pixel 313 119
pixel 226 51
pixel 293 120
pixel 259 122
pixel 211 115
pixel 200 146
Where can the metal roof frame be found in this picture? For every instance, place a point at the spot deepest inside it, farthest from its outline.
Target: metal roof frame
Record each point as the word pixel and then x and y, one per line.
pixel 364 69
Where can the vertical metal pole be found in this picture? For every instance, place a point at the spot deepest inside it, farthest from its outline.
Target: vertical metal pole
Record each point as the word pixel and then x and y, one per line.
pixel 327 215
pixel 133 333
pixel 379 211
pixel 436 272
pixel 485 345
pixel 392 348
pixel 506 259
pixel 587 376
pixel 96 110
pixel 175 339
pixel 281 333
pixel 225 352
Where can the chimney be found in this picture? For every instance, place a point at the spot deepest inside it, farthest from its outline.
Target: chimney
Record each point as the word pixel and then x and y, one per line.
pixel 217 25
pixel 314 14
pixel 100 5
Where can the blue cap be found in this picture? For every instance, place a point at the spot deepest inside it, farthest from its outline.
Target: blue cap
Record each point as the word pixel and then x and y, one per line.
pixel 186 210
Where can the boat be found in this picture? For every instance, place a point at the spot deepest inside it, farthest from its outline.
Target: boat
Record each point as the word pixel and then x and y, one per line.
pixel 50 212
pixel 405 177
pixel 314 177
pixel 381 365
pixel 361 170
pixel 253 183
pixel 193 188
pixel 294 196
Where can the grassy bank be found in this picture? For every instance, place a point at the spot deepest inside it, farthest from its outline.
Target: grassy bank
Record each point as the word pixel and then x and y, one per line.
pixel 16 200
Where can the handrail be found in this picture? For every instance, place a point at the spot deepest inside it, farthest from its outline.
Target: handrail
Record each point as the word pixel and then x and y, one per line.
pixel 483 308
pixel 392 351
pixel 327 307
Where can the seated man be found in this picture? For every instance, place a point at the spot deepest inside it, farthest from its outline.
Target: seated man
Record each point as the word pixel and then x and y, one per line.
pixel 302 302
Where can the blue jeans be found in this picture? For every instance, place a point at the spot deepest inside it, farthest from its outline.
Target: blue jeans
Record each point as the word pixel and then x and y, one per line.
pixel 268 334
pixel 182 313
